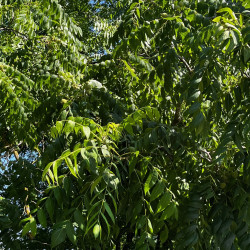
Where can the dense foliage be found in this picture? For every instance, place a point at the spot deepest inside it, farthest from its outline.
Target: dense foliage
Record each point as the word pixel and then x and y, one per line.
pixel 124 124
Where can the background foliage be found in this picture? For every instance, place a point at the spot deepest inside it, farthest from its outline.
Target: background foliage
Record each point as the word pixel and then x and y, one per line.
pixel 124 124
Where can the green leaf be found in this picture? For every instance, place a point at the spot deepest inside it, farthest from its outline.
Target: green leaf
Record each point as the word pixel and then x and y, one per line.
pixel 164 235
pixel 55 166
pixel 238 95
pixel 228 10
pixel 94 184
pixel 67 185
pixel 58 195
pixel 222 147
pixel 198 120
pixel 106 221
pixel 79 219
pixel 70 166
pixel 150 227
pixel 228 102
pixel 50 207
pixel 129 128
pixel 110 179
pixel 194 107
pixel 106 205
pixel 93 207
pixel 114 202
pixel 151 180
pixel 132 162
pixel 238 140
pixel 149 207
pixel 141 222
pixel 105 151
pixel 54 133
pixel 164 201
pixel 93 218
pixel 59 126
pixel 33 226
pixel 146 185
pixel 132 71
pixel 157 191
pixel 138 13
pixel 96 230
pixel 69 127
pixel 246 54
pixel 71 232
pixel 228 241
pixel 45 171
pixel 51 175
pixel 194 96
pixel 24 220
pixel 66 153
pixel 169 211
pixel 42 217
pixel 58 236
pixel 86 131
pixel 92 160
pixel 26 229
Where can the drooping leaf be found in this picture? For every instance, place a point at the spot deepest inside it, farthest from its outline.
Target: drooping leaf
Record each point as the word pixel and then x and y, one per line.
pixel 164 235
pixel 58 236
pixel 33 226
pixel 168 212
pixel 26 229
pixel 164 201
pixel 42 217
pixel 79 219
pixel 106 221
pixel 94 184
pixel 157 190
pixel 151 180
pixel 71 232
pixel 70 166
pixel 50 207
pixel 109 211
pixel 86 131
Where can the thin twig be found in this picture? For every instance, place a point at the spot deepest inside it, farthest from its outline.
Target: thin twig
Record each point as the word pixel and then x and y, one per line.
pixel 209 158
pixel 44 243
pixel 181 58
pixel 185 63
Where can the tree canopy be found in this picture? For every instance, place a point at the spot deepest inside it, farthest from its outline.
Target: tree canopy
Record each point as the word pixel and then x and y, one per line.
pixel 125 124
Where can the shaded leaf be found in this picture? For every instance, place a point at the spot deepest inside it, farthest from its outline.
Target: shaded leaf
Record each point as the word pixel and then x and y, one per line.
pixel 71 232
pixel 58 236
pixel 164 201
pixel 110 213
pixel 42 217
pixel 79 219
pixel 157 191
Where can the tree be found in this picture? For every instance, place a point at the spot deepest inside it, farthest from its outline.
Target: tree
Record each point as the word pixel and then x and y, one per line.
pixel 129 123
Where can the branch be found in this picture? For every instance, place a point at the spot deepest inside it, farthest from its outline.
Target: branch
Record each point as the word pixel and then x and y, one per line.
pixel 14 31
pixel 177 116
pixel 185 63
pixel 246 75
pixel 43 243
pixel 182 58
pixel 209 158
